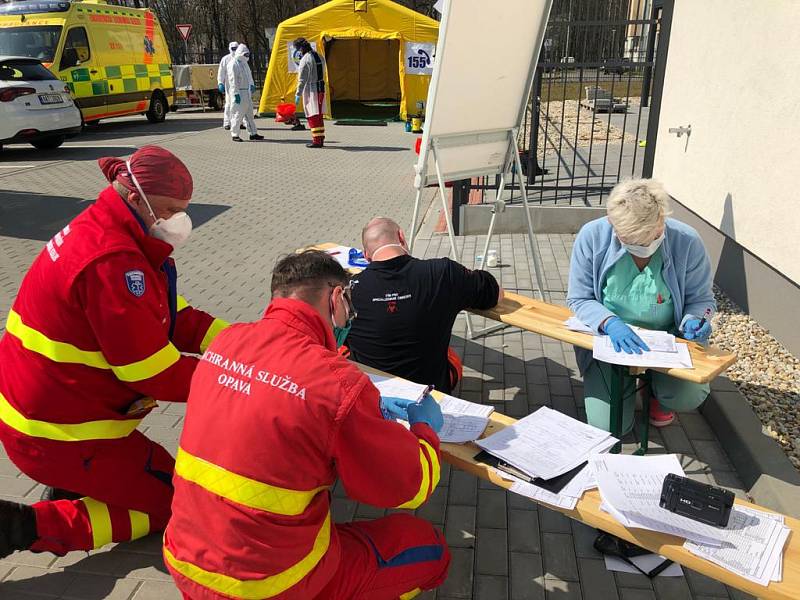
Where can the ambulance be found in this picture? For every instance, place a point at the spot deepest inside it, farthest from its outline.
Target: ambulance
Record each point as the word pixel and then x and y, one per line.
pixel 114 59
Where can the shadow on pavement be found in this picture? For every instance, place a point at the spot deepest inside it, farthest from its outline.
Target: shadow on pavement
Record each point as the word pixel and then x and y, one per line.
pixel 31 216
pixel 94 577
pixel 28 154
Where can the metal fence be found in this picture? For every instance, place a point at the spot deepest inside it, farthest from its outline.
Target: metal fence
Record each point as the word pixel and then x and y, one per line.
pixel 585 126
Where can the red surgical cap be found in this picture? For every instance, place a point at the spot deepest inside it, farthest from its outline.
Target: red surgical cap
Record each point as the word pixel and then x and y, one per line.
pixel 157 170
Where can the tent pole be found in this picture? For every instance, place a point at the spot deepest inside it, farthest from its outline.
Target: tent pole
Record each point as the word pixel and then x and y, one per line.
pixel 414 219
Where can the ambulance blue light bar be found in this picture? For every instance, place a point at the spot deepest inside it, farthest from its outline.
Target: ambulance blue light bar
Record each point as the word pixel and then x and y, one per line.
pixel 31 8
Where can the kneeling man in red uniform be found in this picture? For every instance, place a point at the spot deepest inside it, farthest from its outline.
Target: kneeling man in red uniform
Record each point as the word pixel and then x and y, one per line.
pixel 275 416
pixel 96 333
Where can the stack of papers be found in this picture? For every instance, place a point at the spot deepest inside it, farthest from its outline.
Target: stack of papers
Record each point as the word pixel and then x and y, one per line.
pixel 341 254
pixel 630 487
pixel 753 547
pixel 546 444
pixel 463 421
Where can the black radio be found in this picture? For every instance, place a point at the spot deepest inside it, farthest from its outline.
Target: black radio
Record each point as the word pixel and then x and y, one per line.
pixel 698 501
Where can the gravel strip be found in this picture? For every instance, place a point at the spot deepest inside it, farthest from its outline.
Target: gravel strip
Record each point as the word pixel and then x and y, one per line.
pixel 766 374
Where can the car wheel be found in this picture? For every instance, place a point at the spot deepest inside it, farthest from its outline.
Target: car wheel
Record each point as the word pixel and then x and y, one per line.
pixel 216 101
pixel 158 108
pixel 48 143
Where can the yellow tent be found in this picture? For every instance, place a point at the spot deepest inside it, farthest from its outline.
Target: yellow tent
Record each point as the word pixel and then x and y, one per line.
pixel 374 50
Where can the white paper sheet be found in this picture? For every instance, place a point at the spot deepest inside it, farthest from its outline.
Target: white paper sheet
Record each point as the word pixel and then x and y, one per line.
pixel 753 546
pixel 458 429
pixel 341 254
pixel 463 421
pixel 646 562
pixel 603 350
pixel 631 487
pixel 547 443
pixel 575 324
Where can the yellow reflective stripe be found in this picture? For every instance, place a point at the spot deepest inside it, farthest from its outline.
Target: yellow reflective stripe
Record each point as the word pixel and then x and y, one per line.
pixel 435 467
pixel 140 524
pixel 56 351
pixel 73 432
pixel 242 490
pixel 412 594
pixel 100 521
pixel 148 367
pixel 217 325
pixel 422 493
pixel 182 303
pixel 63 352
pixel 256 589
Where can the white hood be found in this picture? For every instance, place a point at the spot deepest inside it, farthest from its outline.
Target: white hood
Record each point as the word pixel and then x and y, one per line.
pixel 241 51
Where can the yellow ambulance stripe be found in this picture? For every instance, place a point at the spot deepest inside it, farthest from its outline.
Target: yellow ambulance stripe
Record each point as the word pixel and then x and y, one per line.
pixel 217 325
pixel 140 524
pixel 256 589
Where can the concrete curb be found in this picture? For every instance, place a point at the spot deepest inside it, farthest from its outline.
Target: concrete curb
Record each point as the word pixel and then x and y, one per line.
pixel 765 470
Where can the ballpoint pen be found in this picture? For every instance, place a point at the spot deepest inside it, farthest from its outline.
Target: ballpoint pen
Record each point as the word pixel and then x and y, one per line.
pixel 428 389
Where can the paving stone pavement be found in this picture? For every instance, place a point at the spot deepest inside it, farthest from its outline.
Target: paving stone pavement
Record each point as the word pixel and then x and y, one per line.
pixel 255 201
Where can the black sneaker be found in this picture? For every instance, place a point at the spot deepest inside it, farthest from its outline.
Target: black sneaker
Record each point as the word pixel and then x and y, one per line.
pixel 313 145
pixel 17 527
pixel 51 494
pixel 226 127
pixel 256 137
pixel 298 127
pixel 236 138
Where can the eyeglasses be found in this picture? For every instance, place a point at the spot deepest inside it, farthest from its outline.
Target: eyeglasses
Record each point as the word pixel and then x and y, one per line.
pixel 348 297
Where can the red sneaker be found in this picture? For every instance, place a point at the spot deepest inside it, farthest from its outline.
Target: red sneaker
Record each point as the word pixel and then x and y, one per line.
pixel 658 416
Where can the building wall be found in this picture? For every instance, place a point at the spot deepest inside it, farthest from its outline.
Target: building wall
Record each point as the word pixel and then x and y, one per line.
pixel 732 74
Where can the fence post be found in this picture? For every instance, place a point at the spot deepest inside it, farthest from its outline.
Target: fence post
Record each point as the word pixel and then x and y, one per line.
pixel 460 197
pixel 651 47
pixel 533 163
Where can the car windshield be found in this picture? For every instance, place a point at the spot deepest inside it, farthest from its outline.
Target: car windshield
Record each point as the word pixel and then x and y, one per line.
pixel 24 70
pixel 35 41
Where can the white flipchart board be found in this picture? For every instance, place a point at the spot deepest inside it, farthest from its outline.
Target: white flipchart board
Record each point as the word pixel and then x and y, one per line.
pixel 482 76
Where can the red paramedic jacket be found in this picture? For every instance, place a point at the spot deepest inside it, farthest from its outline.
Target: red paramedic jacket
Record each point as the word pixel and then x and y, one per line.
pixel 275 416
pixel 96 326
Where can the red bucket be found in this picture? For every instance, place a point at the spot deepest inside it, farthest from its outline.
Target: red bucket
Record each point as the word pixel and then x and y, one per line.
pixel 285 112
pixel 418 145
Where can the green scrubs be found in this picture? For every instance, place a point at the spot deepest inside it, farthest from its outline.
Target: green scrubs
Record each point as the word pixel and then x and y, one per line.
pixel 639 298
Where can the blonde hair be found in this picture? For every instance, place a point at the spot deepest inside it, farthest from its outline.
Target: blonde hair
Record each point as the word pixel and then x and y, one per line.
pixel 636 208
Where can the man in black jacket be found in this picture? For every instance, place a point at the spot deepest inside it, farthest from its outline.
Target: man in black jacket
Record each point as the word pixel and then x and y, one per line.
pixel 407 306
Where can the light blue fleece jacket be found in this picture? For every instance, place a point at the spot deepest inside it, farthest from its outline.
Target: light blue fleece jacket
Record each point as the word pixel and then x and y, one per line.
pixel 686 271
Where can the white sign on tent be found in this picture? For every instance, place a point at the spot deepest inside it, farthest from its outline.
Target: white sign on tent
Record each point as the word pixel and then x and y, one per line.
pixel 419 58
pixel 296 55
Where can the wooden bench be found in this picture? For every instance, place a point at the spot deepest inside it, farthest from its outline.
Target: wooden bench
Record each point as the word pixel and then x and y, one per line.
pixel 588 511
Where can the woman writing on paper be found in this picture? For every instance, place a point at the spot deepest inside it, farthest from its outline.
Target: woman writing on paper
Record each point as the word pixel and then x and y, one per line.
pixel 637 267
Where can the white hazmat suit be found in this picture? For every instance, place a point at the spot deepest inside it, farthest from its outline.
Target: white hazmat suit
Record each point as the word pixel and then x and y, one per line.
pixel 240 80
pixel 222 79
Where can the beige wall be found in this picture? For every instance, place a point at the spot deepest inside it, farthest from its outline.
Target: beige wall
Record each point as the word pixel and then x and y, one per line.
pixel 733 73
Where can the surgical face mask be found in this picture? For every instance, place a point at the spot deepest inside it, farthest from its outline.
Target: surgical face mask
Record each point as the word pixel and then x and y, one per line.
pixel 388 246
pixel 175 230
pixel 340 333
pixel 644 251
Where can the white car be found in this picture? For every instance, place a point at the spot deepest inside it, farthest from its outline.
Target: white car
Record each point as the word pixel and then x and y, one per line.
pixel 35 106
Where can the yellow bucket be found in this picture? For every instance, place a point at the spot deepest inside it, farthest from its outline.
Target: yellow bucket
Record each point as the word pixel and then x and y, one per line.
pixel 416 124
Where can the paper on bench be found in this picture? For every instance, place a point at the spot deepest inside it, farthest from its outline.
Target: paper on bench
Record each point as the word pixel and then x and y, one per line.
pixel 753 547
pixel 340 254
pixel 567 498
pixel 575 324
pixel 603 350
pixel 630 487
pixel 547 443
pixel 463 421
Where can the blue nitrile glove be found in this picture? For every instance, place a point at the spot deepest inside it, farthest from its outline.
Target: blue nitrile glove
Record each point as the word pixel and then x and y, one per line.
pixel 252 89
pixel 693 331
pixel 237 99
pixel 623 337
pixel 296 99
pixel 395 408
pixel 221 88
pixel 428 411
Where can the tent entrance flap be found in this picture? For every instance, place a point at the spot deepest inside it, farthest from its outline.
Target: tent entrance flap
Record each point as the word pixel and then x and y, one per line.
pixel 364 72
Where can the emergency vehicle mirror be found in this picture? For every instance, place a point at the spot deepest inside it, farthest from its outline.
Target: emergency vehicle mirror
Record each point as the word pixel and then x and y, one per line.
pixel 69 59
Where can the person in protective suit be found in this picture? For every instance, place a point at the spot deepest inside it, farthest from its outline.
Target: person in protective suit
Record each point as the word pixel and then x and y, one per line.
pixel 96 334
pixel 241 85
pixel 222 78
pixel 311 89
